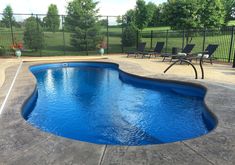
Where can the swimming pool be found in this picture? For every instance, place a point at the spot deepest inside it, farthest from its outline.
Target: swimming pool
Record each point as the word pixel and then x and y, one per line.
pixel 98 103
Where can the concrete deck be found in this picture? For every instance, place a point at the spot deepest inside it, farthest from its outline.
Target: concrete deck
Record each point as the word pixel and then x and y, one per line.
pixel 23 144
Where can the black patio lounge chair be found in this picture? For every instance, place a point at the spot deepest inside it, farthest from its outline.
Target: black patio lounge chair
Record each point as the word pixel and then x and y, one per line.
pixel 207 54
pixel 186 51
pixel 157 50
pixel 140 50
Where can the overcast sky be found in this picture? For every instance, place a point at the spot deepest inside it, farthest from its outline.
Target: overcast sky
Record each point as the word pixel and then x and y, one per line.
pixel 107 7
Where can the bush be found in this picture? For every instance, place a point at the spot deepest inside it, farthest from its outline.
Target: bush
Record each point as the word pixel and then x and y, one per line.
pixel 129 36
pixel 2 50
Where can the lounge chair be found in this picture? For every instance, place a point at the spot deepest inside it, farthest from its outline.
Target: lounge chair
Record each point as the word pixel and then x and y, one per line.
pixel 140 49
pixel 157 50
pixel 207 54
pixel 186 51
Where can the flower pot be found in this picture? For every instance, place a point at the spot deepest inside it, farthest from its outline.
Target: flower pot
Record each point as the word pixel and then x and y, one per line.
pixel 101 51
pixel 18 53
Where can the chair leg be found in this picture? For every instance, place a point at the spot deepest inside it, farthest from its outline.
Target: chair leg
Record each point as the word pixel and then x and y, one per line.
pixel 163 59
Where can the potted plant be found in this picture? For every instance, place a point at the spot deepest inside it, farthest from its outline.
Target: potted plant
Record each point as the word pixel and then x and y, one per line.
pixel 102 45
pixel 17 47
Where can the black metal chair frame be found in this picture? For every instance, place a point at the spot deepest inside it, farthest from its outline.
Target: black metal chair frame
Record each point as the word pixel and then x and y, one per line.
pixel 210 50
pixel 157 50
pixel 187 50
pixel 140 49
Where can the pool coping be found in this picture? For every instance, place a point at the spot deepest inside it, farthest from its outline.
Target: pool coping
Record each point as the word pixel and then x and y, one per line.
pixel 20 143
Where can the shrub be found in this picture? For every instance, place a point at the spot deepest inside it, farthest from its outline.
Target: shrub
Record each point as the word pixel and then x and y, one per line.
pixel 2 50
pixel 129 36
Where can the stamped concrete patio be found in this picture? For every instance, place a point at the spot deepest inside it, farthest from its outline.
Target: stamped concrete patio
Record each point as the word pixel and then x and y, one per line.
pixel 23 144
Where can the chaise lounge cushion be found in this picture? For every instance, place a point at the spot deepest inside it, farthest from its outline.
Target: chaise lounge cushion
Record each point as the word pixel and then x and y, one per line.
pixel 205 55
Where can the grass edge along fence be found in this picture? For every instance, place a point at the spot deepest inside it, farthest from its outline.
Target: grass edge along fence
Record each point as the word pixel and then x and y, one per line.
pixel 58 42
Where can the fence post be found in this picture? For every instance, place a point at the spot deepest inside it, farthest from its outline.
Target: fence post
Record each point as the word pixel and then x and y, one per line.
pixel 40 50
pixel 137 41
pixel 87 52
pixel 107 34
pixel 187 36
pixel 151 42
pixel 234 60
pixel 183 39
pixel 231 45
pixel 12 34
pixel 63 35
pixel 167 32
pixel 204 39
pixel 122 34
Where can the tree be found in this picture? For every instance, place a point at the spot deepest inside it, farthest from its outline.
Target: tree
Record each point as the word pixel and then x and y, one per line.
pixel 33 35
pixel 229 6
pixel 141 15
pixel 129 17
pixel 103 22
pixel 119 20
pixel 151 9
pixel 52 20
pixel 159 16
pixel 8 16
pixel 82 22
pixel 211 13
pixel 182 14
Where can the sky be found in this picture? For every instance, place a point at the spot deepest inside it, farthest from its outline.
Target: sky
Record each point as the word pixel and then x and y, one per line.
pixel 107 7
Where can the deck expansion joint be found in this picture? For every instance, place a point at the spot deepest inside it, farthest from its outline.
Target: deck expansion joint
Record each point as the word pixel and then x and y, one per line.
pixel 10 89
pixel 208 160
pixel 102 156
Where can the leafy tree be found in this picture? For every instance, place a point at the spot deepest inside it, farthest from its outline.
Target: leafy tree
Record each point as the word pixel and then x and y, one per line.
pixel 159 16
pixel 119 20
pixel 229 6
pixel 52 20
pixel 129 17
pixel 103 22
pixel 8 16
pixel 82 22
pixel 151 9
pixel 182 14
pixel 33 35
pixel 211 13
pixel 141 14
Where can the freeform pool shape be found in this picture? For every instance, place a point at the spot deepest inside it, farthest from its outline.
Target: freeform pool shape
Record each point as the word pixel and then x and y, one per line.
pixel 98 103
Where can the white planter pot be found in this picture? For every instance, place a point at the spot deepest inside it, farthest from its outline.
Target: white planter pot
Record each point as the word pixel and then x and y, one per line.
pixel 18 53
pixel 101 51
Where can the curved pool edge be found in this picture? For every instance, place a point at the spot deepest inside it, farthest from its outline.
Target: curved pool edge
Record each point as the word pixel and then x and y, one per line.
pixel 206 146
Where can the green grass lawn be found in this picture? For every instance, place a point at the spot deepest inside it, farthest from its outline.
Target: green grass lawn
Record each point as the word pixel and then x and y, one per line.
pixel 54 43
pixel 119 30
pixel 231 23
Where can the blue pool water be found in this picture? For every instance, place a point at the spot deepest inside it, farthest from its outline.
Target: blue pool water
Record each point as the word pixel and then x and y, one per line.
pixel 95 102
